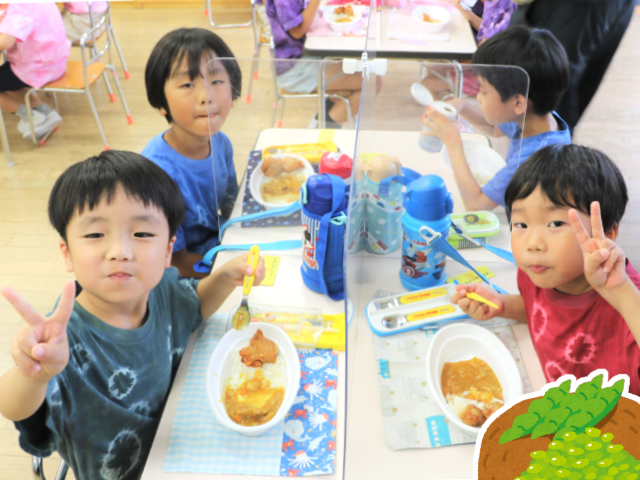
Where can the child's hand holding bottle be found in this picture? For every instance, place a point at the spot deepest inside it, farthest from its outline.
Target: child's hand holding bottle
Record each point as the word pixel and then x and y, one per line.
pixel 473 308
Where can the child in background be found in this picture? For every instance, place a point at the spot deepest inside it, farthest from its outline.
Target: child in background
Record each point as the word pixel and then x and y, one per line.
pixel 37 50
pixel 503 104
pixel 77 18
pixel 193 151
pixel 290 21
pixel 91 380
pixel 578 293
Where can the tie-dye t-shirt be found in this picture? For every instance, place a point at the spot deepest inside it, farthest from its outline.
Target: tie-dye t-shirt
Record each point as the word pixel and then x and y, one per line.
pixel 577 334
pixel 101 413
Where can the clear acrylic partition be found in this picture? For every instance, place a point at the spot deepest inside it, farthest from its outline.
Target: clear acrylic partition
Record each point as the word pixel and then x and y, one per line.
pixel 394 428
pixel 269 121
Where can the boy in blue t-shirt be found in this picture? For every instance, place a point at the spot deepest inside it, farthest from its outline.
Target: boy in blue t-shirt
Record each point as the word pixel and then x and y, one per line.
pixel 91 380
pixel 503 105
pixel 195 93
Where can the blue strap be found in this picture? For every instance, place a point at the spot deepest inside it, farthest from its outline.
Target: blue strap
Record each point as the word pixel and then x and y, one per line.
pixel 204 265
pixel 435 240
pixel 275 212
pixel 406 178
pixel 338 189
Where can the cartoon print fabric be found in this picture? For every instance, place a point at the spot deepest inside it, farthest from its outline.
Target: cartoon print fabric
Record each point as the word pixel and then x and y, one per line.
pixel 303 445
pixel 309 442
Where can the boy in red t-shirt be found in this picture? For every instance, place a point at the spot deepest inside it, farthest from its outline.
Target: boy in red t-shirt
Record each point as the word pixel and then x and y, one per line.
pixel 578 293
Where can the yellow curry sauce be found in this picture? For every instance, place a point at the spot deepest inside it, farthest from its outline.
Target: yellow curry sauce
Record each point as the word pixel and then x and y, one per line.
pixel 474 376
pixel 253 402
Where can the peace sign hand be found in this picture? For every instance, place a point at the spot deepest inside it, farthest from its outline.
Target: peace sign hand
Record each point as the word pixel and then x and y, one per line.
pixel 40 348
pixel 604 261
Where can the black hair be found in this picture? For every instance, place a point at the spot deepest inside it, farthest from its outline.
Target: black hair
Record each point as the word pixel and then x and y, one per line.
pixel 192 43
pixel 572 176
pixel 538 53
pixel 85 184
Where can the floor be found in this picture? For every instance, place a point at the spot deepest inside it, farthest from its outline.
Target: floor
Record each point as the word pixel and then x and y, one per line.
pixel 30 259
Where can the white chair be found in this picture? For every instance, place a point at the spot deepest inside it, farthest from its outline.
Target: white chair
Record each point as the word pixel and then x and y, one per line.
pixel 79 77
pixel 38 471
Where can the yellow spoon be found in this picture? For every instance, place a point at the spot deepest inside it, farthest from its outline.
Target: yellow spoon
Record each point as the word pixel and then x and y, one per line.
pixel 242 316
pixel 478 298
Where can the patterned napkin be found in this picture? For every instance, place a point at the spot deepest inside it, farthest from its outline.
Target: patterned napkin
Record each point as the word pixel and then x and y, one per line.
pixel 412 417
pixel 303 444
pixel 402 26
pixel 249 204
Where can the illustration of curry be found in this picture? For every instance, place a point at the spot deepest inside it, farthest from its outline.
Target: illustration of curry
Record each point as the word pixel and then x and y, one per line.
pixel 586 434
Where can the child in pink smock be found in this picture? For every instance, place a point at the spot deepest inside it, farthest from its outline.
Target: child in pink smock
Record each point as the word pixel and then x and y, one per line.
pixel 77 18
pixel 37 50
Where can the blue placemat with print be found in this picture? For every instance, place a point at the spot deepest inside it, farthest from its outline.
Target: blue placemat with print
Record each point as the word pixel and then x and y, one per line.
pixel 249 204
pixel 309 442
pixel 303 444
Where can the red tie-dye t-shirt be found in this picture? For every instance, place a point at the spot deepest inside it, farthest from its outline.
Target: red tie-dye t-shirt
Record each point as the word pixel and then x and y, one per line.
pixel 578 334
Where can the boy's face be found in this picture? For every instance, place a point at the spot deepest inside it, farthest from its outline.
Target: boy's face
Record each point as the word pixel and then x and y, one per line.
pixel 199 107
pixel 118 253
pixel 545 246
pixel 495 110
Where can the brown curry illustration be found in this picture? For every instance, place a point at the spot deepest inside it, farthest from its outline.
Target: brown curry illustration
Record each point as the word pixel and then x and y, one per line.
pixel 577 430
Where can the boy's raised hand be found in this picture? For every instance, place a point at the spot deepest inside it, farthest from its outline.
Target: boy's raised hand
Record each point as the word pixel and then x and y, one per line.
pixel 604 261
pixel 40 348
pixel 440 126
pixel 237 268
pixel 473 308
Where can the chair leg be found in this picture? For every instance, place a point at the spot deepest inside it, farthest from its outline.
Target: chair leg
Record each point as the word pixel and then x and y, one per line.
pixel 62 470
pixel 121 93
pixel 115 40
pixel 36 468
pixel 95 115
pixel 5 142
pixel 27 102
pixel 112 97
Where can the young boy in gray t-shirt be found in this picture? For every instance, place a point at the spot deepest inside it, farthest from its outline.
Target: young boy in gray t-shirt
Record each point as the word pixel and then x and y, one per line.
pixel 91 380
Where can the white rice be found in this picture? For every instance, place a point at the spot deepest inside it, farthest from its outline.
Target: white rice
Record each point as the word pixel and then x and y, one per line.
pixel 238 372
pixel 458 403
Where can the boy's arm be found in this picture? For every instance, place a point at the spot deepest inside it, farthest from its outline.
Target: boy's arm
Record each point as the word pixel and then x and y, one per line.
pixel 472 195
pixel 308 14
pixel 40 351
pixel 605 269
pixel 6 41
pixel 475 117
pixel 184 261
pixel 215 288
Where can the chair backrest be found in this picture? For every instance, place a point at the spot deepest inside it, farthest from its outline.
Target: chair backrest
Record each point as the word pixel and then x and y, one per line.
pixel 89 51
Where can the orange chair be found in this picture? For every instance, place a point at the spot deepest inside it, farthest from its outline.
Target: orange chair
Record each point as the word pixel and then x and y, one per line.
pixel 79 77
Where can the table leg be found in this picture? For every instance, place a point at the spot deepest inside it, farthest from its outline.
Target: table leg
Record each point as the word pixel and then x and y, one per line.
pixel 5 142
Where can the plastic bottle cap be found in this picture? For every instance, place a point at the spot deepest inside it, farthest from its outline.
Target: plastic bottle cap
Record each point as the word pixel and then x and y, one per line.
pixel 320 194
pixel 428 198
pixel 336 163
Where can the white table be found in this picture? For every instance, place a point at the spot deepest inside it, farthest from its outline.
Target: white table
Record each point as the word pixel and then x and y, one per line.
pixel 460 46
pixel 364 449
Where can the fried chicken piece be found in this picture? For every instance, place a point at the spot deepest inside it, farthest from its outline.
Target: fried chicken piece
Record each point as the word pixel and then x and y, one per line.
pixel 491 408
pixel 271 167
pixel 291 164
pixel 473 416
pixel 260 350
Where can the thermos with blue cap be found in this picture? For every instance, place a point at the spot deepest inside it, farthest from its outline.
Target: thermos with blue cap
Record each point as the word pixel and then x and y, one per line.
pixel 324 217
pixel 428 205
